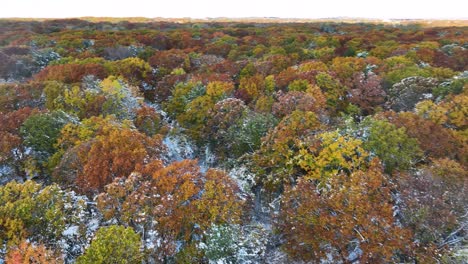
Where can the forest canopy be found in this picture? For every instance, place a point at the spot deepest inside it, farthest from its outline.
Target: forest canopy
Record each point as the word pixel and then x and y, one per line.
pixel 233 142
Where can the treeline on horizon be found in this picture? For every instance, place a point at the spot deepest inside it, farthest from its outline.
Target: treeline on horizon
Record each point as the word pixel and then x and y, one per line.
pixel 231 142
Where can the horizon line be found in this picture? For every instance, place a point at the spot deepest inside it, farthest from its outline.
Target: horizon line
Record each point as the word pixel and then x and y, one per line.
pixel 245 17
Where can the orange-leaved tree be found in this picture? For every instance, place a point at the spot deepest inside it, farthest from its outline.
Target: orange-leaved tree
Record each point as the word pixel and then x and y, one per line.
pixel 350 220
pixel 172 205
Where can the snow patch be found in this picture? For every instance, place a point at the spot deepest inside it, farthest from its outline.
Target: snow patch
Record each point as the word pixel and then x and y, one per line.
pixel 70 231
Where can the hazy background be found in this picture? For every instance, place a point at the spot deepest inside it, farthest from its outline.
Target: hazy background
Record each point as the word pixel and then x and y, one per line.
pixel 384 9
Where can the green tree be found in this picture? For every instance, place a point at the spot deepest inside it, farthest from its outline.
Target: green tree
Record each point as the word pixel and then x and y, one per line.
pixel 299 85
pixel 182 94
pixel 221 243
pixel 392 145
pixel 120 100
pixel 39 214
pixel 193 104
pixel 53 92
pixel 113 245
pixel 333 89
pixel 272 161
pixel 245 136
pixel 41 131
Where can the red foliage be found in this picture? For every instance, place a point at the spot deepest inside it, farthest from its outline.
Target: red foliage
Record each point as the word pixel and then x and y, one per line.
pixel 436 140
pixel 367 92
pixel 71 73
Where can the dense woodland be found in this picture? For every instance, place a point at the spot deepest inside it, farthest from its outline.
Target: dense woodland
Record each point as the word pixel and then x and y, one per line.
pixel 160 142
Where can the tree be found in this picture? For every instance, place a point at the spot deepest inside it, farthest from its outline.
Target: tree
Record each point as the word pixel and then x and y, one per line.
pixel 329 154
pixel 333 89
pixel 71 73
pixel 299 85
pixel 404 95
pixel 29 211
pixel 435 140
pixel 346 67
pixel 225 114
pixel 245 136
pixel 40 131
pixel 454 86
pixel 194 105
pixel 236 243
pixel 367 92
pixel 457 110
pixel 112 245
pixel 274 63
pixel 133 70
pixel 12 150
pixel 110 96
pixel 219 203
pixel 120 101
pixel 26 253
pixel 250 88
pixel 172 205
pixel 384 49
pixel 219 90
pixel 313 100
pixel 158 201
pixel 271 163
pixel 392 145
pixel 148 121
pixel 53 92
pixel 433 206
pixel 115 155
pixel 313 65
pixel 402 68
pixel 431 111
pixel 221 243
pixel 167 60
pixel 182 94
pixel 450 113
pixel 99 150
pixel 352 220
pixel 196 116
pixel 234 130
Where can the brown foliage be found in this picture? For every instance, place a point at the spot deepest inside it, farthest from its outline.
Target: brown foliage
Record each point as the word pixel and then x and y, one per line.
pixel 313 101
pixel 71 73
pixel 97 153
pixel 435 140
pixel 11 149
pixel 115 155
pixel 271 162
pixel 433 205
pixel 367 92
pixel 355 212
pixel 178 201
pixel 169 59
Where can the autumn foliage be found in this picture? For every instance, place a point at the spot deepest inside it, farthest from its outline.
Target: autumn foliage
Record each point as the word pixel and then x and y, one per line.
pixel 232 141
pixel 352 219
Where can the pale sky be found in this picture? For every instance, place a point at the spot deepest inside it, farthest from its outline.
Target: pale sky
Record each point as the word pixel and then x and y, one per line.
pixel 384 9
